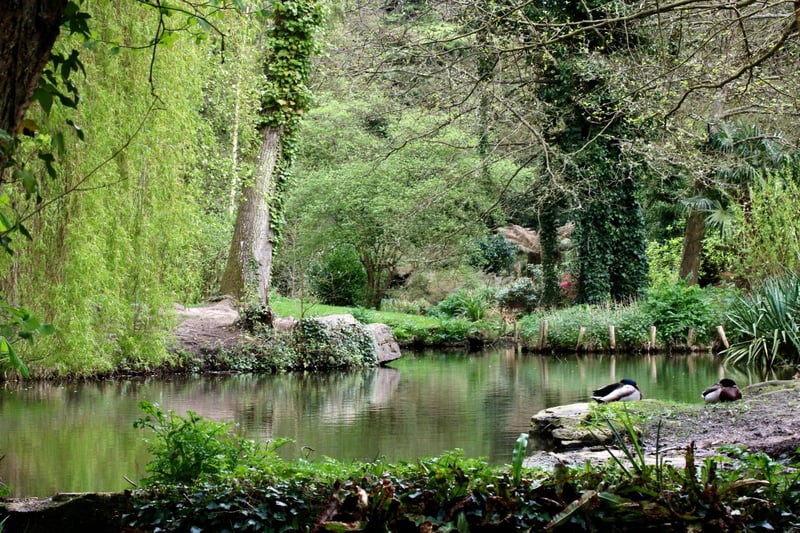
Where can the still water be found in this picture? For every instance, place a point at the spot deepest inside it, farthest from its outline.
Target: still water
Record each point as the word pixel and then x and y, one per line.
pixel 80 436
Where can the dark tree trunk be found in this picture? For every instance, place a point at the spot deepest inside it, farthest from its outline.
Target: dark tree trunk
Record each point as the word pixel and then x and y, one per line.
pixel 692 247
pixel 28 29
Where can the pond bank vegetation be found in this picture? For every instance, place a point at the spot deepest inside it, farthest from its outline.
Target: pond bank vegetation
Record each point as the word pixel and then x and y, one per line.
pixel 205 477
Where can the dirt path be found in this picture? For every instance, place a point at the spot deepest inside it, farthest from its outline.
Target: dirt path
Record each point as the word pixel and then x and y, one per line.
pixel 767 419
pixel 208 328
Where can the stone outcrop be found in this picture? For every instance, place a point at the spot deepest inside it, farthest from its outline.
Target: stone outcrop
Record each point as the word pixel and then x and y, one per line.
pixel 212 328
pixel 386 348
pixel 566 427
pixel 572 438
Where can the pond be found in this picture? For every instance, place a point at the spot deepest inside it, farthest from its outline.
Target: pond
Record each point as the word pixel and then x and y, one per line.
pixel 76 437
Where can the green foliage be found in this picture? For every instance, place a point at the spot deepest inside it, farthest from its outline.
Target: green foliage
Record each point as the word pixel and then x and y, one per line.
pixel 771 237
pixel 664 259
pixel 394 210
pixel 365 316
pixel 108 263
pixel 743 491
pixel 326 346
pixel 521 296
pixel 223 506
pixel 18 324
pixel 191 449
pixel 548 237
pixel 631 326
pixel 291 44
pixel 337 276
pixel 765 328
pixel 471 305
pixel 444 332
pixel 674 308
pixel 493 254
pixel 256 318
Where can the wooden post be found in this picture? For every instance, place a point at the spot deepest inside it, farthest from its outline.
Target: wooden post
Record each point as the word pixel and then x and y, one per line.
pixel 581 333
pixel 652 337
pixel 690 338
pixel 722 337
pixel 542 334
pixel 612 337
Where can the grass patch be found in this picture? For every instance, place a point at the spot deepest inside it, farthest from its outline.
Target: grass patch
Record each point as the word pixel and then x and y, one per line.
pixel 285 307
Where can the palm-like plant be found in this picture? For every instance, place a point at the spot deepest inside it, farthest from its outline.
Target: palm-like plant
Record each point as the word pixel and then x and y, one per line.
pixel 741 154
pixel 766 324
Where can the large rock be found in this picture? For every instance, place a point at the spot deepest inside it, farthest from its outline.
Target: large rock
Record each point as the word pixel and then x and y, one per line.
pixel 213 328
pixel 566 427
pixel 341 340
pixel 386 348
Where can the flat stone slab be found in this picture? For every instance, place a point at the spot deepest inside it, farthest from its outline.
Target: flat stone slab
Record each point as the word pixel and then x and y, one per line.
pixel 564 426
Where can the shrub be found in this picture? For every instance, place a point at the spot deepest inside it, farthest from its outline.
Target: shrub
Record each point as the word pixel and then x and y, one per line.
pixel 256 318
pixel 335 346
pixel 521 296
pixel 188 449
pixel 675 307
pixel 337 277
pixel 493 254
pixel 471 305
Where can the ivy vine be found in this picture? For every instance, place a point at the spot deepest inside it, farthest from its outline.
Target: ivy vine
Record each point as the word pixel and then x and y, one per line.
pixel 292 43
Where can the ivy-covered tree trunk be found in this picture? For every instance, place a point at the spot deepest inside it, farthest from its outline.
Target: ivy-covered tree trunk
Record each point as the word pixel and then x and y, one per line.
pixel 290 45
pixel 629 269
pixel 247 271
pixel 594 253
pixel 548 238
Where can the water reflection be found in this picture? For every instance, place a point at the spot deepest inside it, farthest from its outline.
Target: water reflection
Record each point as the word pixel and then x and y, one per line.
pixel 80 437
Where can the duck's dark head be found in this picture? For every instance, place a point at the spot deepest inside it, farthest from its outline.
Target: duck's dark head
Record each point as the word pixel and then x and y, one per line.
pixel 725 382
pixel 628 381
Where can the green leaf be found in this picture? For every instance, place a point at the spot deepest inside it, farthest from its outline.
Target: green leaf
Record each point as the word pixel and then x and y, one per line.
pixel 5 225
pixel 45 99
pixel 24 231
pixel 14 360
pixel 57 142
pixel 203 23
pixel 48 159
pixel 28 180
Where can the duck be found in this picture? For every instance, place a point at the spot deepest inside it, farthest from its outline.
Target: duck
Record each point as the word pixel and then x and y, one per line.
pixel 625 390
pixel 724 391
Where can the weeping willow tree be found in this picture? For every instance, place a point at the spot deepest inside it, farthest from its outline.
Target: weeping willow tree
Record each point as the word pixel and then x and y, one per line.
pixel 115 231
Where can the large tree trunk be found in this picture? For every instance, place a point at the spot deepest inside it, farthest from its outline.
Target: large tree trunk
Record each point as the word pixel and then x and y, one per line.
pixel 247 272
pixel 692 247
pixel 28 29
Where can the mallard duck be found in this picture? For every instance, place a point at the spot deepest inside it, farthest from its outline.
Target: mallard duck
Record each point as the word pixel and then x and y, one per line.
pixel 624 391
pixel 724 391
